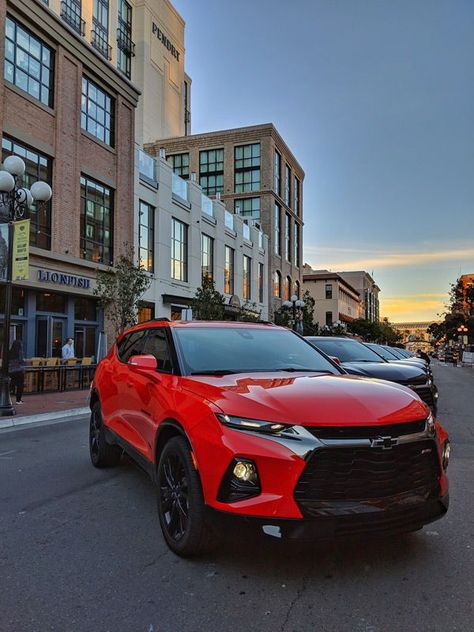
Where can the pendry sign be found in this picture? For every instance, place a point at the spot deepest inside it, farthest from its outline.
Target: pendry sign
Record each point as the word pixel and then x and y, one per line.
pixel 158 33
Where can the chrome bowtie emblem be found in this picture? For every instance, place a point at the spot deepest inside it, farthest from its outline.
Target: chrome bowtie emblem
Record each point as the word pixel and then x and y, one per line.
pixel 386 443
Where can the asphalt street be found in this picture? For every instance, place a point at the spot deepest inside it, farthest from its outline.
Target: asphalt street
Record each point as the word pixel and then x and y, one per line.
pixel 81 550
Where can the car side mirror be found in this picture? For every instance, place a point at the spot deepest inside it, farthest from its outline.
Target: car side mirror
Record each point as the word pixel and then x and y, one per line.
pixel 145 362
pixel 335 359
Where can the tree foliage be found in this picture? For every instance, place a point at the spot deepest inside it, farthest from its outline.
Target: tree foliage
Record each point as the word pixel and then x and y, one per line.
pixel 381 331
pixel 119 291
pixel 284 316
pixel 208 303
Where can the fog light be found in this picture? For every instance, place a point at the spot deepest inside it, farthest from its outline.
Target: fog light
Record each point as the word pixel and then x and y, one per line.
pixel 245 471
pixel 430 424
pixel 446 454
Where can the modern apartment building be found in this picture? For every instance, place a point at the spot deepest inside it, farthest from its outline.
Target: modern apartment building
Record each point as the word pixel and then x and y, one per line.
pixel 68 111
pixel 335 299
pixel 368 290
pixel 255 174
pixel 183 237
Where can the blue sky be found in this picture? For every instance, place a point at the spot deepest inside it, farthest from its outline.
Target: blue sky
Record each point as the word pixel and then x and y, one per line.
pixel 376 100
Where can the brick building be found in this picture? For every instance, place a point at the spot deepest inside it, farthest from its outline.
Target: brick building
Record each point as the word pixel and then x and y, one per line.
pixel 69 113
pixel 254 172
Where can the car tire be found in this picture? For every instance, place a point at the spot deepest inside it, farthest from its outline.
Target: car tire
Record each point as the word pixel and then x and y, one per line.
pixel 181 507
pixel 102 453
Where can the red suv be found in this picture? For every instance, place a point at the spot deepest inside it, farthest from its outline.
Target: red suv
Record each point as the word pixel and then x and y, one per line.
pixel 250 421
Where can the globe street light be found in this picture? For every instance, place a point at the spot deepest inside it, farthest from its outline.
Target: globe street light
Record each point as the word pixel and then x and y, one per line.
pixel 462 331
pixel 15 200
pixel 295 303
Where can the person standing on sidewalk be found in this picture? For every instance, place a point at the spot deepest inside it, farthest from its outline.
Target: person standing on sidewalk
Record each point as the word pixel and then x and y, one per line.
pixel 16 369
pixel 68 349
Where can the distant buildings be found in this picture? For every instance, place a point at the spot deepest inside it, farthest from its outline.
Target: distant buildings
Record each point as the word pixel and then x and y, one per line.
pixel 335 298
pixel 368 290
pixel 256 175
pixel 415 334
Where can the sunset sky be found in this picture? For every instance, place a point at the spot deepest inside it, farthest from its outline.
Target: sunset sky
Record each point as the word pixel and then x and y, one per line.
pixel 376 100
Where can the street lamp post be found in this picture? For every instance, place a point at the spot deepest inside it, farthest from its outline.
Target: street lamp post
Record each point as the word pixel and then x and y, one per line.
pixel 295 303
pixel 15 201
pixel 462 332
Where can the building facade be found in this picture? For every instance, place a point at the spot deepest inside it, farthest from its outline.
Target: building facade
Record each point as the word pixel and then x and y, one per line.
pixel 69 113
pixel 369 293
pixel 335 299
pixel 252 170
pixel 415 335
pixel 182 237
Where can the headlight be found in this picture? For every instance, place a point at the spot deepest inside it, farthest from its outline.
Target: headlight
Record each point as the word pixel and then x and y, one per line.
pixel 430 424
pixel 255 425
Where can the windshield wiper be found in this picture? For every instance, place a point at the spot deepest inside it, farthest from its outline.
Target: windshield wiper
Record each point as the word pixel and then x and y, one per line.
pixel 215 372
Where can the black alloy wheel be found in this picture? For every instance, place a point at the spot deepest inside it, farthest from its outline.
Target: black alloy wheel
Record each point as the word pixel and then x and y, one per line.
pixel 102 453
pixel 181 506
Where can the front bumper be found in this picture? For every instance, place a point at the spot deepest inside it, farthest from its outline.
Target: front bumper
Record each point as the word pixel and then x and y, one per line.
pixel 388 516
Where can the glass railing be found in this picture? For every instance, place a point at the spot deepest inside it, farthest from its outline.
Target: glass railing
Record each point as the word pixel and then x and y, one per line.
pixel 260 239
pixel 229 220
pixel 246 231
pixel 180 187
pixel 206 205
pixel 146 165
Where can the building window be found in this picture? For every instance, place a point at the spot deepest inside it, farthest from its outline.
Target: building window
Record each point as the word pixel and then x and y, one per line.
pixel 296 245
pixel 71 13
pixel 287 185
pixel 38 167
pixel 247 168
pixel 328 290
pixel 180 165
pixel 100 30
pixel 247 276
pixel 207 257
pixel 297 289
pixel 287 289
pixel 97 112
pixel 211 171
pixel 261 281
pixel 146 311
pixel 277 284
pixel 146 236
pixel 85 309
pixel 125 45
pixel 287 237
pixel 187 108
pixel 51 302
pixel 229 270
pixel 277 229
pixel 296 206
pixel 248 207
pixel 277 172
pixel 179 251
pixel 329 319
pixel 96 221
pixel 29 64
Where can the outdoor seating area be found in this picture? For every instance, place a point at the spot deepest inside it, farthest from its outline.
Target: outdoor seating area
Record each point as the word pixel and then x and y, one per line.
pixel 44 375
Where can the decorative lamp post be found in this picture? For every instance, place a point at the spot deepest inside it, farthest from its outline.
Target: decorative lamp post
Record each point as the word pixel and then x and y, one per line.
pixel 295 304
pixel 15 200
pixel 462 334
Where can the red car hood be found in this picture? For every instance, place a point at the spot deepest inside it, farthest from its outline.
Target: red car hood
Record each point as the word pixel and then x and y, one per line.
pixel 319 400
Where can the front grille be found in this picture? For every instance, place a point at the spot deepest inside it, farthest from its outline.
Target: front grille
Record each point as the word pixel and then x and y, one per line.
pixel 366 432
pixel 426 394
pixel 364 473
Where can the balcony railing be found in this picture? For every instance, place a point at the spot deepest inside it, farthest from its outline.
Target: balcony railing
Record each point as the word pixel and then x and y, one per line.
pixel 246 231
pixel 71 14
pixel 206 205
pixel 260 239
pixel 229 220
pixel 100 43
pixel 180 187
pixel 146 166
pixel 124 38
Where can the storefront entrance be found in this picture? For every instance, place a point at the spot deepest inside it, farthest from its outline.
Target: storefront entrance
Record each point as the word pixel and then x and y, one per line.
pixel 50 336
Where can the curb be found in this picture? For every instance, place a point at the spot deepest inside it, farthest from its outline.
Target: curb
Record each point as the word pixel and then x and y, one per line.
pixel 13 422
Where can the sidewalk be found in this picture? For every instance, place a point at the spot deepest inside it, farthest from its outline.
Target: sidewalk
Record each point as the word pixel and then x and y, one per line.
pixel 47 406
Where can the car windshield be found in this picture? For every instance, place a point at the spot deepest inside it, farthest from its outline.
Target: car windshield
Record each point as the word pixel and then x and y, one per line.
pixel 221 350
pixel 387 355
pixel 394 352
pixel 346 350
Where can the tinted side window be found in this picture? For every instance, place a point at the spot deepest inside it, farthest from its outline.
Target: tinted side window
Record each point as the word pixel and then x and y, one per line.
pixel 130 345
pixel 156 344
